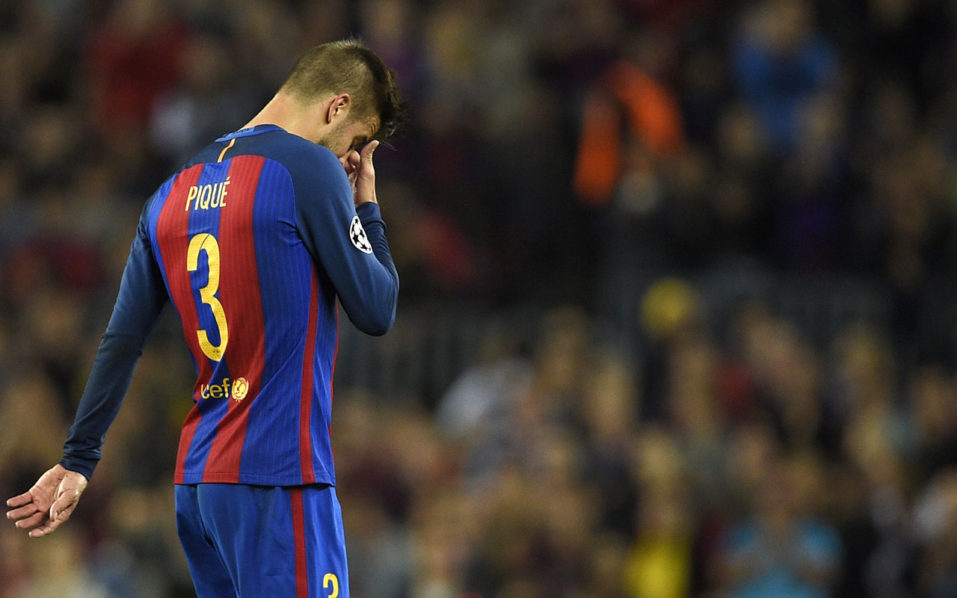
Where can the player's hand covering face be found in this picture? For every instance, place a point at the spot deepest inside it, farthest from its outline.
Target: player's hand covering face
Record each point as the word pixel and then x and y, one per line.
pixel 48 503
pixel 361 172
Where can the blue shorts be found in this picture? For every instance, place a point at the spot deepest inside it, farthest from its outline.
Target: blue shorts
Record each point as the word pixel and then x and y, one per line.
pixel 255 541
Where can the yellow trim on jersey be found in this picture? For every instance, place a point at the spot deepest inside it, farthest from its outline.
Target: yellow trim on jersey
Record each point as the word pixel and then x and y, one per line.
pixel 232 142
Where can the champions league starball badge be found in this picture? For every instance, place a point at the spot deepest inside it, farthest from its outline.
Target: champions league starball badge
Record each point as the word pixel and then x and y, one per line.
pixel 357 235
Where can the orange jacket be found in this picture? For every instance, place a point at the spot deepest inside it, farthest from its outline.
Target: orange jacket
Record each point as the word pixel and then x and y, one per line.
pixel 654 118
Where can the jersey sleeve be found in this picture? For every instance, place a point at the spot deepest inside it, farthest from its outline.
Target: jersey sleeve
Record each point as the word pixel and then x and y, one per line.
pixel 349 243
pixel 139 302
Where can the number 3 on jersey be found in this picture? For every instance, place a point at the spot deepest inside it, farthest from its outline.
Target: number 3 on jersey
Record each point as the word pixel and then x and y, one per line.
pixel 207 243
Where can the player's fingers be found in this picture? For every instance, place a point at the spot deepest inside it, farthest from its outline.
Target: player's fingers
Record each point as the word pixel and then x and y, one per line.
pixel 20 500
pixel 24 511
pixel 64 505
pixel 43 530
pixel 346 162
pixel 366 169
pixel 350 162
pixel 31 521
pixel 58 517
pixel 368 150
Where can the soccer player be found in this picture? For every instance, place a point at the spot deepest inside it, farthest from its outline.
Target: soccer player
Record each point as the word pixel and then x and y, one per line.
pixel 252 241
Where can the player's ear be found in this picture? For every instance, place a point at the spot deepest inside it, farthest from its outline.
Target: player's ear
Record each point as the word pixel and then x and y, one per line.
pixel 338 106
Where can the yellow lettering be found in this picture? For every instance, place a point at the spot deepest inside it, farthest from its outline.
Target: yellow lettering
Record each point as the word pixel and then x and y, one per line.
pixel 204 197
pixel 189 197
pixel 222 197
pixel 218 391
pixel 330 583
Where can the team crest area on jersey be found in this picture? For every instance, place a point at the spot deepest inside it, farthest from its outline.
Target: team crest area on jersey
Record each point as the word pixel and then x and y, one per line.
pixel 357 235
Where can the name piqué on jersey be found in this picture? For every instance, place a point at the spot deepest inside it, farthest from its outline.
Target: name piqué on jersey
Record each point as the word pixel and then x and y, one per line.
pixel 205 197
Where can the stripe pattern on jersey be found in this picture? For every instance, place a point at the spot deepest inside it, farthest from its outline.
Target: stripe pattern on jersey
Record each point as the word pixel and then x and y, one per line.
pixel 240 429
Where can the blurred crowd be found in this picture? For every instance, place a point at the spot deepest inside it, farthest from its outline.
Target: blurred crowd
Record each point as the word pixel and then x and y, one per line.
pixel 728 229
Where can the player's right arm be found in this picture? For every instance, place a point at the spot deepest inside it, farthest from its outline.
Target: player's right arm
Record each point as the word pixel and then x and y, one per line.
pixel 343 229
pixel 141 297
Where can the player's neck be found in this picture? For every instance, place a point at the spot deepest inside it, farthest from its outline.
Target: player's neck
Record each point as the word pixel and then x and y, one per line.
pixel 286 112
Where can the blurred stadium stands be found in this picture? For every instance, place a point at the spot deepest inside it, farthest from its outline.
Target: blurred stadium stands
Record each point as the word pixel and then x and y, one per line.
pixel 677 313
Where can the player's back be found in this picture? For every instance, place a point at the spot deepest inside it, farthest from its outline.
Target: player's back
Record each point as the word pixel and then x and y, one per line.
pixel 258 315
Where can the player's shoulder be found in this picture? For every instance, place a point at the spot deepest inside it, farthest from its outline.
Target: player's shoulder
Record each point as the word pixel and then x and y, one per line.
pixel 309 166
pixel 292 151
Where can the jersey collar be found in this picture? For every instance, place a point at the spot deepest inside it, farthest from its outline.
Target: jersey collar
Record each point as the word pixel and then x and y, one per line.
pixel 250 131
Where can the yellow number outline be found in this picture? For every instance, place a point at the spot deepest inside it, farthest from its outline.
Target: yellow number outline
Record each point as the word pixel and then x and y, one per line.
pixel 330 579
pixel 207 242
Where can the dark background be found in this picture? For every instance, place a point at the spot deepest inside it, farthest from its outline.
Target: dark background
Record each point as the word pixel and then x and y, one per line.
pixel 676 315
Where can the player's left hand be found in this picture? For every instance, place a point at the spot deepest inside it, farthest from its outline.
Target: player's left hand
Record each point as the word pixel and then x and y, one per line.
pixel 361 173
pixel 49 503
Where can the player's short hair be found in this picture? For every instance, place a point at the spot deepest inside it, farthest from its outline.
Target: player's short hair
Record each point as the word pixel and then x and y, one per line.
pixel 348 66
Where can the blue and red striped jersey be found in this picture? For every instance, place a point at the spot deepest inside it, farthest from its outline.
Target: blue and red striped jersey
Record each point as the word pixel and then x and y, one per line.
pixel 252 241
